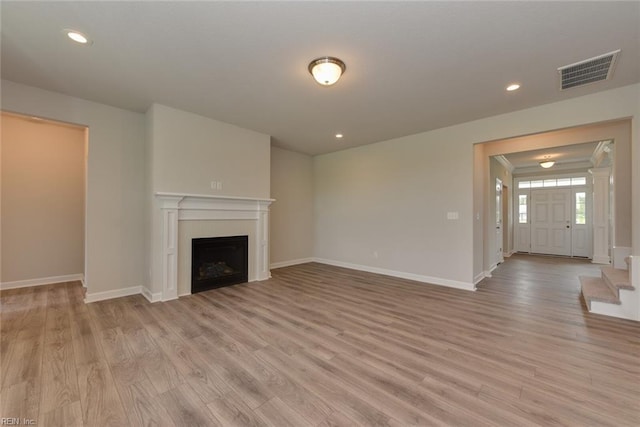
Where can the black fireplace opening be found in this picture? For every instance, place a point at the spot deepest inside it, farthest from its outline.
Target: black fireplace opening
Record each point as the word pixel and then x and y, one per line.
pixel 219 261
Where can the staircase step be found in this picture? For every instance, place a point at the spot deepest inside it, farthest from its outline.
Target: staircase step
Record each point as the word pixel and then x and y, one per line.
pixel 595 289
pixel 618 278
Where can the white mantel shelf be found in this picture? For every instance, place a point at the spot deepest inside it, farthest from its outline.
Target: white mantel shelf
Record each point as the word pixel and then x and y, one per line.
pixel 210 196
pixel 201 207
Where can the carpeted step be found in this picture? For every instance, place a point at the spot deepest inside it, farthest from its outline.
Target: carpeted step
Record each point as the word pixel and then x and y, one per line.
pixel 617 278
pixel 595 289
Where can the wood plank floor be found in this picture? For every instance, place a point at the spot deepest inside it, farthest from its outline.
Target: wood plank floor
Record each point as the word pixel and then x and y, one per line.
pixel 325 346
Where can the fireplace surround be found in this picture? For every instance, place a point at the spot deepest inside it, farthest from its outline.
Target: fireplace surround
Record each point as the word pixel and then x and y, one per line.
pixel 174 207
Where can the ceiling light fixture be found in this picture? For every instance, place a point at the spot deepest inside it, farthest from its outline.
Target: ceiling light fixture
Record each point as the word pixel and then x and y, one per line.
pixel 513 86
pixel 339 135
pixel 547 162
pixel 77 36
pixel 327 70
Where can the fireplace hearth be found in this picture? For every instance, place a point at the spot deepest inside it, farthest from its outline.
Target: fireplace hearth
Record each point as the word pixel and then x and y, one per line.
pixel 218 261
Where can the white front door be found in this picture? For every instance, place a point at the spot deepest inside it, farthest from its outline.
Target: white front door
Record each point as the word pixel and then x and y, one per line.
pixel 551 221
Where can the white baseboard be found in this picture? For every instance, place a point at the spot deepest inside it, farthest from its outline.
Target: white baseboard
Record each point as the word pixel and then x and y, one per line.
pixel 116 293
pixel 479 278
pixel 401 274
pixel 508 254
pixel 42 281
pixel 291 262
pixel 488 273
pixel 601 260
pixel 150 296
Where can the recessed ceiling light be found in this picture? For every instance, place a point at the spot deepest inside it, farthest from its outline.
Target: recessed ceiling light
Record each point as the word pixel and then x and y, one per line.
pixel 339 135
pixel 77 36
pixel 513 86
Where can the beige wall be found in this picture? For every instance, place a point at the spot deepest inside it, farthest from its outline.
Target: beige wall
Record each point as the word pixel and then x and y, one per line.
pixel 43 186
pixel 115 180
pixel 391 199
pixel 291 234
pixel 189 151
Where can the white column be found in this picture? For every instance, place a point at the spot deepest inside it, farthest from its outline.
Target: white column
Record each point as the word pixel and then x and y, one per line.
pixel 601 215
pixel 263 271
pixel 169 235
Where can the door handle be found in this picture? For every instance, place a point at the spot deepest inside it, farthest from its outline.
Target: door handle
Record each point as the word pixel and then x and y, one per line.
pixel 568 226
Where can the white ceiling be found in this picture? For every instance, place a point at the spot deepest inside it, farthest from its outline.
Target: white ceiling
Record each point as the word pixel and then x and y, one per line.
pixel 411 66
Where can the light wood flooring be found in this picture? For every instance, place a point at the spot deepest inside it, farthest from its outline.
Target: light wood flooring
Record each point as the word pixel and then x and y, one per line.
pixel 325 346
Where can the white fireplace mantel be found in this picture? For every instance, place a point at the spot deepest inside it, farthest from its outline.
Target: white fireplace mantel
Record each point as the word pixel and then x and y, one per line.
pixel 176 207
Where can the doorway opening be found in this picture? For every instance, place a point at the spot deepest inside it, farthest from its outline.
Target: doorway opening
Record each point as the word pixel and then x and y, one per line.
pixel 43 207
pixel 607 162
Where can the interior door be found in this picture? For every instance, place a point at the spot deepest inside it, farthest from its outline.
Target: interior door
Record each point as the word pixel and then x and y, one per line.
pixel 551 221
pixel 499 257
pixel 507 229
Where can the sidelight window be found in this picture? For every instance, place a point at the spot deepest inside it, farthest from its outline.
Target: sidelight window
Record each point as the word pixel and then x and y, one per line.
pixel 581 208
pixel 522 208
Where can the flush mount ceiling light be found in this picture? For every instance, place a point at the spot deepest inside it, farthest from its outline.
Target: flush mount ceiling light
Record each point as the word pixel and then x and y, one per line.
pixel 327 70
pixel 513 86
pixel 77 36
pixel 339 135
pixel 547 162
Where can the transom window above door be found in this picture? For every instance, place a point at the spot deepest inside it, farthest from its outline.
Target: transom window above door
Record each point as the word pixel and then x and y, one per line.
pixel 554 182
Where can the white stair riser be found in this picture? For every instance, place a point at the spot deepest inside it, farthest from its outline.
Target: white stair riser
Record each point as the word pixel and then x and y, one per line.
pixel 626 310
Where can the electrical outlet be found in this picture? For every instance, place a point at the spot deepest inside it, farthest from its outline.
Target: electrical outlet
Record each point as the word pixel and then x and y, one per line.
pixel 375 254
pixel 219 185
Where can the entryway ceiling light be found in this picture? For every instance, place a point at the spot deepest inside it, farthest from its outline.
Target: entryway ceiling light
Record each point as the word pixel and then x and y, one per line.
pixel 77 36
pixel 327 70
pixel 547 162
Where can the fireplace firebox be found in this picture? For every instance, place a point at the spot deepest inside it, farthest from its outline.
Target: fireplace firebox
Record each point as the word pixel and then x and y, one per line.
pixel 218 262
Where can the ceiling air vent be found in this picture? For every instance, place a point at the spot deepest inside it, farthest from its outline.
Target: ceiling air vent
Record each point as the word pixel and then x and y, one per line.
pixel 588 71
